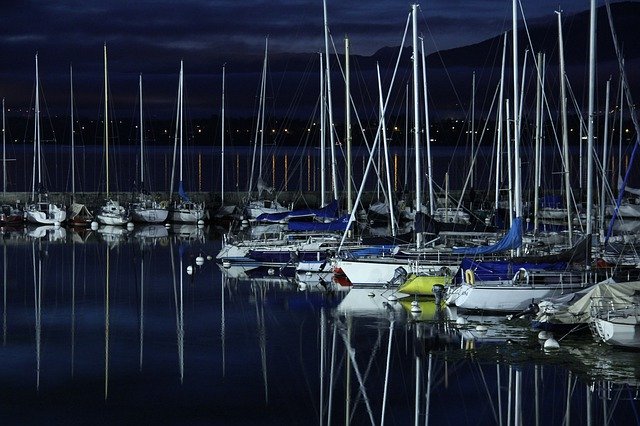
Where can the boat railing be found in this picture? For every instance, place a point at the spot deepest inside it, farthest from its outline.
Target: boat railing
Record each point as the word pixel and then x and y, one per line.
pixel 609 309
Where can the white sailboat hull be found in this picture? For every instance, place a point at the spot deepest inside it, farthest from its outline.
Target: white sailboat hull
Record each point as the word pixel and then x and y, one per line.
pixel 112 219
pixel 150 215
pixel 186 215
pixel 623 332
pixel 256 208
pixel 501 296
pixel 381 271
pixel 49 216
pixel 113 214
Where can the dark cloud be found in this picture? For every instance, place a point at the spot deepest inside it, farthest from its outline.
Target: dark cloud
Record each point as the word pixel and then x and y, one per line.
pixel 151 37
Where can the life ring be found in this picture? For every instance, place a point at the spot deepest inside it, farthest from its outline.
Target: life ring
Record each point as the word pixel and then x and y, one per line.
pixel 469 277
pixel 521 277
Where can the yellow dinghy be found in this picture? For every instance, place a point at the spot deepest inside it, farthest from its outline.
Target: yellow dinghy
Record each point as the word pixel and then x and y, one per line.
pixel 422 285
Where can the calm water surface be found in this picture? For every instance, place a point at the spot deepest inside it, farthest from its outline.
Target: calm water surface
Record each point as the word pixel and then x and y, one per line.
pixel 104 328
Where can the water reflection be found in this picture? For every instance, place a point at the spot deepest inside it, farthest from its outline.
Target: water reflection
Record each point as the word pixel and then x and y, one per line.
pixel 151 330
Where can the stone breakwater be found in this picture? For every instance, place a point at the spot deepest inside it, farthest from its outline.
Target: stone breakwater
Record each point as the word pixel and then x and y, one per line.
pixel 212 200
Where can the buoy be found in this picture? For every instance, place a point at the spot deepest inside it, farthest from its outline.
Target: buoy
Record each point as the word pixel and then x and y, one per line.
pixel 167 225
pixel 392 298
pixel 209 257
pixel 245 222
pixel 199 260
pixel 226 264
pixel 94 225
pixel 271 271
pixel 129 226
pixel 201 222
pixel 308 273
pixel 371 294
pixel 461 321
pixel 190 270
pixel 56 224
pixel 481 328
pixel 544 335
pixel 415 308
pixel 551 343
pixel 302 286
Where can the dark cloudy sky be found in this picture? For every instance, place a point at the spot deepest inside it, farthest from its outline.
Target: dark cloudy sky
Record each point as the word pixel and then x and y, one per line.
pixel 151 37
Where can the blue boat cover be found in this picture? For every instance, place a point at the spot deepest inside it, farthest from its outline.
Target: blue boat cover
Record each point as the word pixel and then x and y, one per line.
pixel 503 269
pixel 328 211
pixel 383 250
pixel 511 240
pixel 182 193
pixel 339 224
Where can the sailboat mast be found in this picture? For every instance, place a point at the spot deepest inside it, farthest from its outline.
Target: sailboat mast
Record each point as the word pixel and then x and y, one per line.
pixel 416 114
pixel 500 125
pixel 38 137
pixel 106 120
pixel 4 153
pixel 222 139
pixel 141 136
pixel 565 127
pixel 73 144
pixel 386 155
pixel 427 133
pixel 180 109
pixel 605 155
pixel 329 103
pixel 590 131
pixel 538 139
pixel 510 163
pixel 323 139
pixel 473 130
pixel 516 115
pixel 347 82
pixel 263 90
pixel 175 141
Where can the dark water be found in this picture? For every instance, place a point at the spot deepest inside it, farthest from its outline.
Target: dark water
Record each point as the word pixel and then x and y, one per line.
pixel 113 330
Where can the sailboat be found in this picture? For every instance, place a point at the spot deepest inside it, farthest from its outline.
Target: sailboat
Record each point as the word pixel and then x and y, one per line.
pixel 41 211
pixel 78 214
pixel 146 209
pixel 225 211
pixel 183 209
pixel 255 208
pixel 9 214
pixel 112 212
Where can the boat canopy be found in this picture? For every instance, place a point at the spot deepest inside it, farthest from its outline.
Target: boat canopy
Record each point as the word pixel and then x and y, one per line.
pixel 79 210
pixel 579 253
pixel 511 240
pixel 339 224
pixel 503 269
pixel 328 211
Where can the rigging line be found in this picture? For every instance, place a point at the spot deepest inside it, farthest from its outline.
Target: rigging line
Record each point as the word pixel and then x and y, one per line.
pixel 486 387
pixel 475 154
pixel 375 142
pixel 634 118
pixel 455 92
pixel 363 390
pixel 374 352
